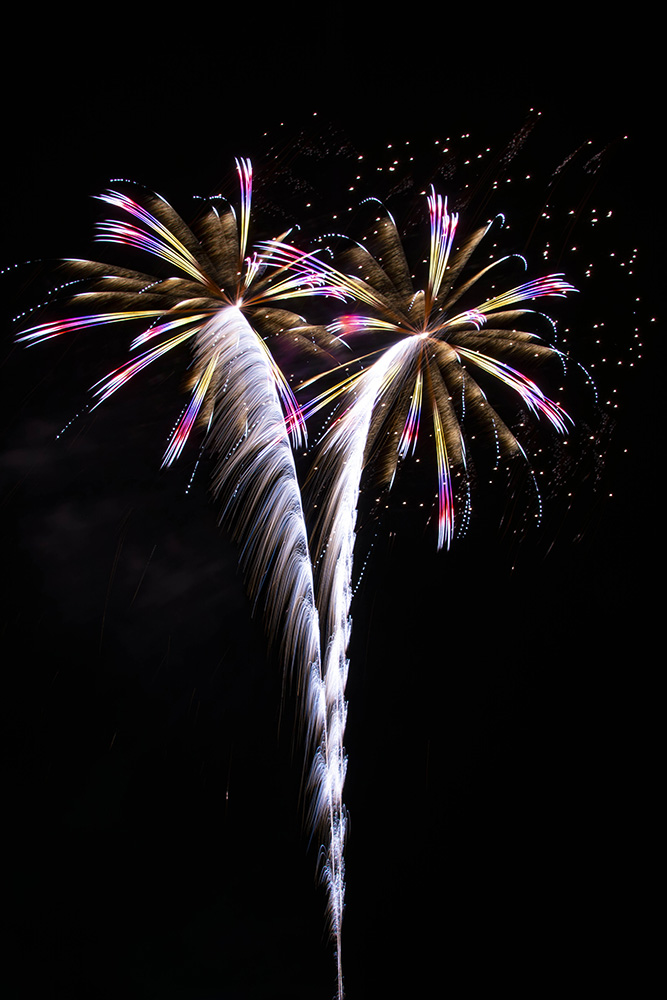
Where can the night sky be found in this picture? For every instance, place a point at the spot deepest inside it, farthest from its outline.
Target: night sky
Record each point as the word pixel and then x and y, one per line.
pixel 500 726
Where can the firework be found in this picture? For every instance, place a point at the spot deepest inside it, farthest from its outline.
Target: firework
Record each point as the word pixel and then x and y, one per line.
pixel 222 302
pixel 435 359
pixel 218 299
pixel 436 354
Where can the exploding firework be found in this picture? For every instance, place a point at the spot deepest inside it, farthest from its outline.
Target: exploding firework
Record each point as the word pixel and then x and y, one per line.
pixel 431 356
pixel 437 356
pixel 437 352
pixel 221 302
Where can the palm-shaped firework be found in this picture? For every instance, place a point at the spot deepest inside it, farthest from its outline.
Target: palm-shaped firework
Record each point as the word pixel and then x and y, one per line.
pixel 436 352
pixel 223 303
pixel 434 360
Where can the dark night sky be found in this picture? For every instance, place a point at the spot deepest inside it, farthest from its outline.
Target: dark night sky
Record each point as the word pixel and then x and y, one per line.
pixel 498 730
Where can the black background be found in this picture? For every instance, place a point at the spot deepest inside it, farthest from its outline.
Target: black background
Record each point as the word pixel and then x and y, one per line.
pixel 500 730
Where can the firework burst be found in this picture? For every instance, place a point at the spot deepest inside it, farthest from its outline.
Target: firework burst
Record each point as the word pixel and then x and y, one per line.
pixel 436 355
pixel 221 301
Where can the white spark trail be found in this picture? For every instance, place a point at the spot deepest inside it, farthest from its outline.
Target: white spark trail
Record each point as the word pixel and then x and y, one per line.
pixel 340 467
pixel 256 479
